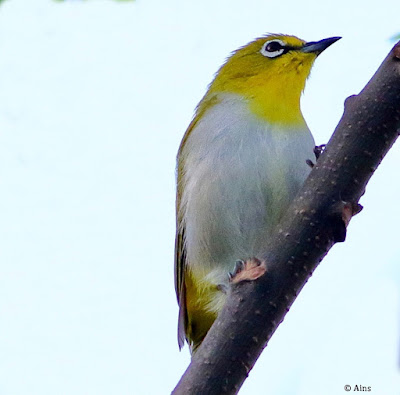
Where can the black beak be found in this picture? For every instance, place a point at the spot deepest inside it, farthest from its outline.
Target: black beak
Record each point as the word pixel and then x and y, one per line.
pixel 319 46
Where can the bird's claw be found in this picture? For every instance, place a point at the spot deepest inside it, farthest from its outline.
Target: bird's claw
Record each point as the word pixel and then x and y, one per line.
pixel 249 270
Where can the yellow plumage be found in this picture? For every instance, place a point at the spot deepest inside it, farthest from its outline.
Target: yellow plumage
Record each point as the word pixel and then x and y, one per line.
pixel 273 89
pixel 240 164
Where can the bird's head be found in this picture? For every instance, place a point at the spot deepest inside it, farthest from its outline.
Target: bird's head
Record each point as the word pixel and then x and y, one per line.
pixel 270 73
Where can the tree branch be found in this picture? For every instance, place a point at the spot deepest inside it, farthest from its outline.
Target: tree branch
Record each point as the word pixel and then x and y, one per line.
pixel 368 128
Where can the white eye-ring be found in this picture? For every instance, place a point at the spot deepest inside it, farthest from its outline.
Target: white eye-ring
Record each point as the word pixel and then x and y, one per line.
pixel 273 48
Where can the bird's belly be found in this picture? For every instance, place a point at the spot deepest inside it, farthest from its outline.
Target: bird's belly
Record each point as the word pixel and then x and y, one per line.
pixel 236 190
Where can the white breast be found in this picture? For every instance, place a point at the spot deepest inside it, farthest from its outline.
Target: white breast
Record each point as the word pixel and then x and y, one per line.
pixel 240 173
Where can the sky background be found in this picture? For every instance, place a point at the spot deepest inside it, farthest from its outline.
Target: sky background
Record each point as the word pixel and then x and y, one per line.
pixel 94 99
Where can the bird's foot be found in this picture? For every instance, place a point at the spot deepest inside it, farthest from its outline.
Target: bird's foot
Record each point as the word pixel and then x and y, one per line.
pixel 247 270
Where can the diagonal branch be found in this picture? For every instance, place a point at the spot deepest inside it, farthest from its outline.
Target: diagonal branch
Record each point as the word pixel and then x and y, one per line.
pixel 368 128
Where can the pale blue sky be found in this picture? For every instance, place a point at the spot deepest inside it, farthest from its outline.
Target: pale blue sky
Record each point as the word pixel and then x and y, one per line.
pixel 94 99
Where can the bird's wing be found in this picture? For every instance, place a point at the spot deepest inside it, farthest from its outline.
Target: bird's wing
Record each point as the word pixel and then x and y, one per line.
pixel 180 267
pixel 180 251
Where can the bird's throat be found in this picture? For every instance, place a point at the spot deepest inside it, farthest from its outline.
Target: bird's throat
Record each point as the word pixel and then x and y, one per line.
pixel 277 104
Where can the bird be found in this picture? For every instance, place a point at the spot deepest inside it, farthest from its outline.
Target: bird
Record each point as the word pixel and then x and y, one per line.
pixel 243 158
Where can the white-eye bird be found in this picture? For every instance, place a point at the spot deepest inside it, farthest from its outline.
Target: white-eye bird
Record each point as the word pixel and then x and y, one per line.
pixel 241 162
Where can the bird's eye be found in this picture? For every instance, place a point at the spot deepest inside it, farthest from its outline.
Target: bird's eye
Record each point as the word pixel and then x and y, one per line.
pixel 273 48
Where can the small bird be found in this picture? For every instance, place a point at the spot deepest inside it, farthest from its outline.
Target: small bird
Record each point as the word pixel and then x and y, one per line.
pixel 241 162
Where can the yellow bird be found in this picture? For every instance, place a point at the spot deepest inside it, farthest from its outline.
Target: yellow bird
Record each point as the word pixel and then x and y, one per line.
pixel 241 162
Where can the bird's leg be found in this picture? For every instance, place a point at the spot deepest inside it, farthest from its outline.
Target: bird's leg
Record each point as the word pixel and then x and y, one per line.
pixel 249 270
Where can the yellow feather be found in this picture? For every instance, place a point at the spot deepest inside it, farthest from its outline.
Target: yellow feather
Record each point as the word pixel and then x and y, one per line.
pixel 272 86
